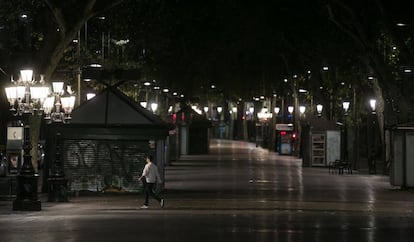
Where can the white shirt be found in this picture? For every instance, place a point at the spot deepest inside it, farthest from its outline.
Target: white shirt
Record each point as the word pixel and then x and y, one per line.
pixel 151 173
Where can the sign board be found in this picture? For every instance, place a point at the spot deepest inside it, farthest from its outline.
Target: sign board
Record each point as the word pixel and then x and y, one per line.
pixel 14 161
pixel 14 138
pixel 15 133
pixel 286 127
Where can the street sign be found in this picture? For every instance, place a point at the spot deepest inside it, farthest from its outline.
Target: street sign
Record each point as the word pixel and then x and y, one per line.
pixel 286 127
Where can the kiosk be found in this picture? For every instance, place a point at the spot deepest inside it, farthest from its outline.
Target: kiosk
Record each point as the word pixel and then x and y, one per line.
pixel 285 139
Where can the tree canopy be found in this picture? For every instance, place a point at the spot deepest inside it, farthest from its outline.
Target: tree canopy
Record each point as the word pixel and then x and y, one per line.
pixel 245 49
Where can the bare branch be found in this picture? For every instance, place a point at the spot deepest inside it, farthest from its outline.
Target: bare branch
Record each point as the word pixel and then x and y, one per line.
pixel 58 16
pixel 101 8
pixel 344 28
pixel 88 9
pixel 405 52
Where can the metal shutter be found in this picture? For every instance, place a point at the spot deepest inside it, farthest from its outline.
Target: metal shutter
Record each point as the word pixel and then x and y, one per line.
pixel 104 165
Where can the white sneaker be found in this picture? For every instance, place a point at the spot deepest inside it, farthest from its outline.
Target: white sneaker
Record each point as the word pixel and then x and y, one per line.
pixel 162 203
pixel 144 206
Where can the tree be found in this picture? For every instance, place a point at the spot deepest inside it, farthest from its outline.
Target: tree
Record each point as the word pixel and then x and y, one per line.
pixel 48 26
pixel 30 38
pixel 386 52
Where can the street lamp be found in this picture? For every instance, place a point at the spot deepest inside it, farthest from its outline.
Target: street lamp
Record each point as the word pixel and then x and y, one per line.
pixel 25 97
pixel 58 107
pixel 302 110
pixel 373 150
pixel 290 110
pixel 276 110
pixel 90 95
pixel 28 97
pixel 143 104
pixel 251 110
pixel 219 109
pixel 373 104
pixel 154 107
pixel 319 109
pixel 345 106
pixel 25 101
pixel 234 109
pixel 205 108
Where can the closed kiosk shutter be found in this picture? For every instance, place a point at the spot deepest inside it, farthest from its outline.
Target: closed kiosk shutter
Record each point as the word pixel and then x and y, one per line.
pixel 104 165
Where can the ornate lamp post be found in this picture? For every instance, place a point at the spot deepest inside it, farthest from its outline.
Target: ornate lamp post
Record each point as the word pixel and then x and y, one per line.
pixel 345 106
pixel 372 152
pixel 59 110
pixel 28 97
pixel 58 107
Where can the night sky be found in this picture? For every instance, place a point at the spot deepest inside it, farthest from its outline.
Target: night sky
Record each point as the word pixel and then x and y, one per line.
pixel 239 45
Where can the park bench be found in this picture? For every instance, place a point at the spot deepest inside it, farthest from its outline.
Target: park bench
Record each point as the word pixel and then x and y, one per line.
pixel 340 167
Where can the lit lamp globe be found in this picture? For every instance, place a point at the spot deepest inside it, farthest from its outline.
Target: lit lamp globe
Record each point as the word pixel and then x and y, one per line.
pixel 345 106
pixel 291 109
pixel 89 96
pixel 302 110
pixel 251 109
pixel 319 109
pixel 39 94
pixel 373 104
pixel 26 75
pixel 154 107
pixel 143 104
pixel 57 87
pixel 48 105
pixel 13 94
pixel 68 103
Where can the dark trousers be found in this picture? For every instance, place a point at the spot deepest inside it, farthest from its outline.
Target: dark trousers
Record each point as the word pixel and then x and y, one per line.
pixel 149 191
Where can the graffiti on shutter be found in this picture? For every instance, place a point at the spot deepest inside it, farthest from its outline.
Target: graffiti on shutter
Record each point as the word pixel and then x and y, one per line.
pixel 104 165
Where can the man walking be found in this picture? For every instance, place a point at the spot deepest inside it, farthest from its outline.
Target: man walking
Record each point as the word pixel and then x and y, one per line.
pixel 150 176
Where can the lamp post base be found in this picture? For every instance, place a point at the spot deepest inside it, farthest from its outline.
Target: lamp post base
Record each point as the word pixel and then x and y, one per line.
pixel 26 197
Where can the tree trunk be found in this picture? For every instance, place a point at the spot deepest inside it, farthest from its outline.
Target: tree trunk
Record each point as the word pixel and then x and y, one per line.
pixel 56 55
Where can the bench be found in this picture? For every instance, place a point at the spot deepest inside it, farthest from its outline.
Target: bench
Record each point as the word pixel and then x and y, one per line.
pixel 340 167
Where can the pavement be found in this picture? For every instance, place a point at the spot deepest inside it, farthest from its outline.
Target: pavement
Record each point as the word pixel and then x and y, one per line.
pixel 237 192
